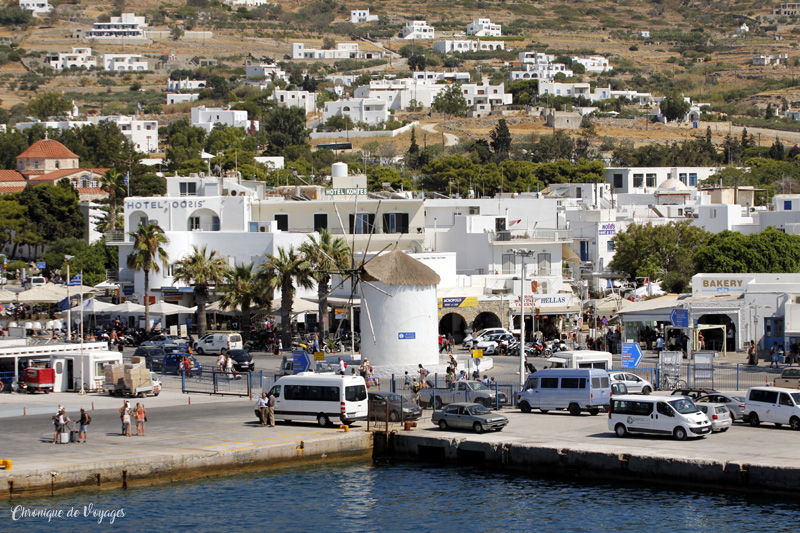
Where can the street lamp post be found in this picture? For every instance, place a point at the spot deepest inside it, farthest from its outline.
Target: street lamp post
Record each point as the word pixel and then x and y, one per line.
pixel 523 254
pixel 68 259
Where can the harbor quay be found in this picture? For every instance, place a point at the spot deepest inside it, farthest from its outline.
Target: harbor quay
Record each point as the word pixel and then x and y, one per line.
pixel 213 436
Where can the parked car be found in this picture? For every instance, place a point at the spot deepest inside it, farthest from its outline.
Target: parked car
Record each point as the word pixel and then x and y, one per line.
pixel 400 409
pixel 159 340
pixel 718 414
pixel 171 364
pixel 242 361
pixel 734 403
pixel 34 281
pixel 218 343
pixel 771 404
pixel 490 343
pixel 634 383
pixel 790 379
pixel 150 354
pixel 465 415
pixel 657 415
pixel 693 393
pixel 470 340
pixel 469 391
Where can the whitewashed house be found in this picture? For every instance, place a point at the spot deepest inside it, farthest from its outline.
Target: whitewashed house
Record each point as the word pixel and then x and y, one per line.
pixel 185 85
pixel 179 98
pixel 467 45
pixel 125 27
pixel 265 70
pixel 367 110
pixel 78 58
pixel 484 28
pixel 305 100
pixel 362 15
pixel 124 62
pixel 399 94
pixel 206 118
pixel 417 29
pixel 342 51
pixel 37 8
pixel 593 64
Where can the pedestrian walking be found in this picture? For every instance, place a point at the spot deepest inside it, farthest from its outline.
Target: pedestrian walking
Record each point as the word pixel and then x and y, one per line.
pixel 141 418
pixel 221 362
pixel 271 409
pixel 773 355
pixel 262 408
pixel 60 422
pixel 423 373
pixel 752 355
pixel 407 383
pixel 84 422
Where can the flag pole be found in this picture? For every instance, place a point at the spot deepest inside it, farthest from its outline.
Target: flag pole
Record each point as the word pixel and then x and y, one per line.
pixel 82 391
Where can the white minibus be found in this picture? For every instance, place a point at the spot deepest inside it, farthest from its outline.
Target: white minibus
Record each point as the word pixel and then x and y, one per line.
pixel 581 359
pixel 657 415
pixel 575 390
pixel 321 397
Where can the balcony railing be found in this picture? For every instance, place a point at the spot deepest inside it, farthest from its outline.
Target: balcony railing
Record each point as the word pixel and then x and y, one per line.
pixel 537 234
pixel 117 237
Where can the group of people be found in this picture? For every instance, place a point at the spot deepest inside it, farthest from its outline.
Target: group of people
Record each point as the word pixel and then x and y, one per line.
pixel 446 343
pixel 61 422
pixel 128 414
pixel 777 355
pixel 225 365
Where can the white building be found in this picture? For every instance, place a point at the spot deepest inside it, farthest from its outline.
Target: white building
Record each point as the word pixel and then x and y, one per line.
pixel 535 57
pixel 594 64
pixel 365 110
pixel 362 15
pixel 767 60
pixel 142 134
pixel 125 27
pixel 540 71
pixel 485 93
pixel 342 51
pixel 646 180
pixel 206 118
pixel 399 94
pixel 265 70
pixel 788 9
pixel 36 7
pixel 484 28
pixel 467 45
pixel 185 85
pixel 124 62
pixel 247 3
pixel 417 29
pixel 574 90
pixel 450 77
pixel 179 98
pixel 78 58
pixel 303 99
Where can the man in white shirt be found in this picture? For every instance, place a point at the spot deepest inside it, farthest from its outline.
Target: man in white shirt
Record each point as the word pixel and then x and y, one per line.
pixel 342 367
pixel 262 408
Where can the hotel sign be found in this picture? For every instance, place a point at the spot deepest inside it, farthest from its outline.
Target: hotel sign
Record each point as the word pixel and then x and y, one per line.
pixel 346 191
pixel 608 229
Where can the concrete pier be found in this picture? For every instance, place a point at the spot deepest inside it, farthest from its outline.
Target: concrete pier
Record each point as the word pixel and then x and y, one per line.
pixel 760 459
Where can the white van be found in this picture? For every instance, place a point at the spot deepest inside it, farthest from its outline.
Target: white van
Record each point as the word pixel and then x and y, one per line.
pixel 218 343
pixel 576 390
pixel 35 281
pixel 657 415
pixel 321 397
pixel 581 359
pixel 773 404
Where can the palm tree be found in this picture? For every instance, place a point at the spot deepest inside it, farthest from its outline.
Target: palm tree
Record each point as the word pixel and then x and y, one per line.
pixel 146 254
pixel 281 271
pixel 202 270
pixel 113 183
pixel 243 289
pixel 325 254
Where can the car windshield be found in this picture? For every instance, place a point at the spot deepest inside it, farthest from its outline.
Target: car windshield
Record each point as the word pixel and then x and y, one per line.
pixel 477 385
pixel 239 354
pixel 479 410
pixel 737 399
pixel 684 406
pixel 392 397
pixel 796 397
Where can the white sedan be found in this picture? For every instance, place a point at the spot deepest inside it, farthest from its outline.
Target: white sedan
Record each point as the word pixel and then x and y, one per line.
pixel 634 383
pixel 469 340
pixel 491 343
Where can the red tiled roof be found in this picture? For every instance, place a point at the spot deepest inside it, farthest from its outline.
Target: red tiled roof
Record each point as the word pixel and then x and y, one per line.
pixel 10 175
pixel 49 149
pixel 65 172
pixel 11 188
pixel 91 190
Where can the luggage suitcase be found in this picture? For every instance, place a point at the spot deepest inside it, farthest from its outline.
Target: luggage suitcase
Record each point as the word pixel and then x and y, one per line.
pixel 74 436
pixel 63 438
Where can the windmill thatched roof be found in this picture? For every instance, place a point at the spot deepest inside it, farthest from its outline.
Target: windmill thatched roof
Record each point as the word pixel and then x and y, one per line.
pixel 398 268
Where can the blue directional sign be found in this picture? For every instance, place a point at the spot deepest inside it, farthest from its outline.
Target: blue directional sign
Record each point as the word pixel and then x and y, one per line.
pixel 407 335
pixel 679 318
pixel 300 361
pixel 631 355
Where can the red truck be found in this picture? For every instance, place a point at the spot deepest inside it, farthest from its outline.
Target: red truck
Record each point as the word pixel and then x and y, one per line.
pixel 40 379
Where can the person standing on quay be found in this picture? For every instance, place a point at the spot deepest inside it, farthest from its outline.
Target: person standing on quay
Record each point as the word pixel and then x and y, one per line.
pixel 262 408
pixel 141 418
pixel 84 422
pixel 271 410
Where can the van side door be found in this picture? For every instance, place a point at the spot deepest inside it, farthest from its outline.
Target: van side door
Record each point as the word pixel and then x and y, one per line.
pixel 549 393
pixel 664 418
pixel 785 409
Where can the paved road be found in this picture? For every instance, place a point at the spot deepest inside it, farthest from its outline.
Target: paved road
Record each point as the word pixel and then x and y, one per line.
pixel 450 139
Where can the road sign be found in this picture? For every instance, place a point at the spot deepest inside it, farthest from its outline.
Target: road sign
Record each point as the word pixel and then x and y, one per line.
pixel 477 354
pixel 319 356
pixel 604 321
pixel 679 318
pixel 631 355
pixel 41 264
pixel 300 361
pixel 407 335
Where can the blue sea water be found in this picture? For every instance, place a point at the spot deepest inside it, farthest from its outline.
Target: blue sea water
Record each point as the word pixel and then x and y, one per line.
pixel 402 497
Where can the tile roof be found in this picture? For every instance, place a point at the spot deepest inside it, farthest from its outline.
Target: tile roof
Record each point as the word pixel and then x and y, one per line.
pixel 11 188
pixel 49 149
pixel 10 175
pixel 64 172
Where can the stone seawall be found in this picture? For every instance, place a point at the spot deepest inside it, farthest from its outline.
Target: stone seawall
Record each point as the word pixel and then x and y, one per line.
pixel 167 468
pixel 573 461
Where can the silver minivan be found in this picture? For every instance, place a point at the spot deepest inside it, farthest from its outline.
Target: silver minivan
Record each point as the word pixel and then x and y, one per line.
pixel 576 390
pixel 771 404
